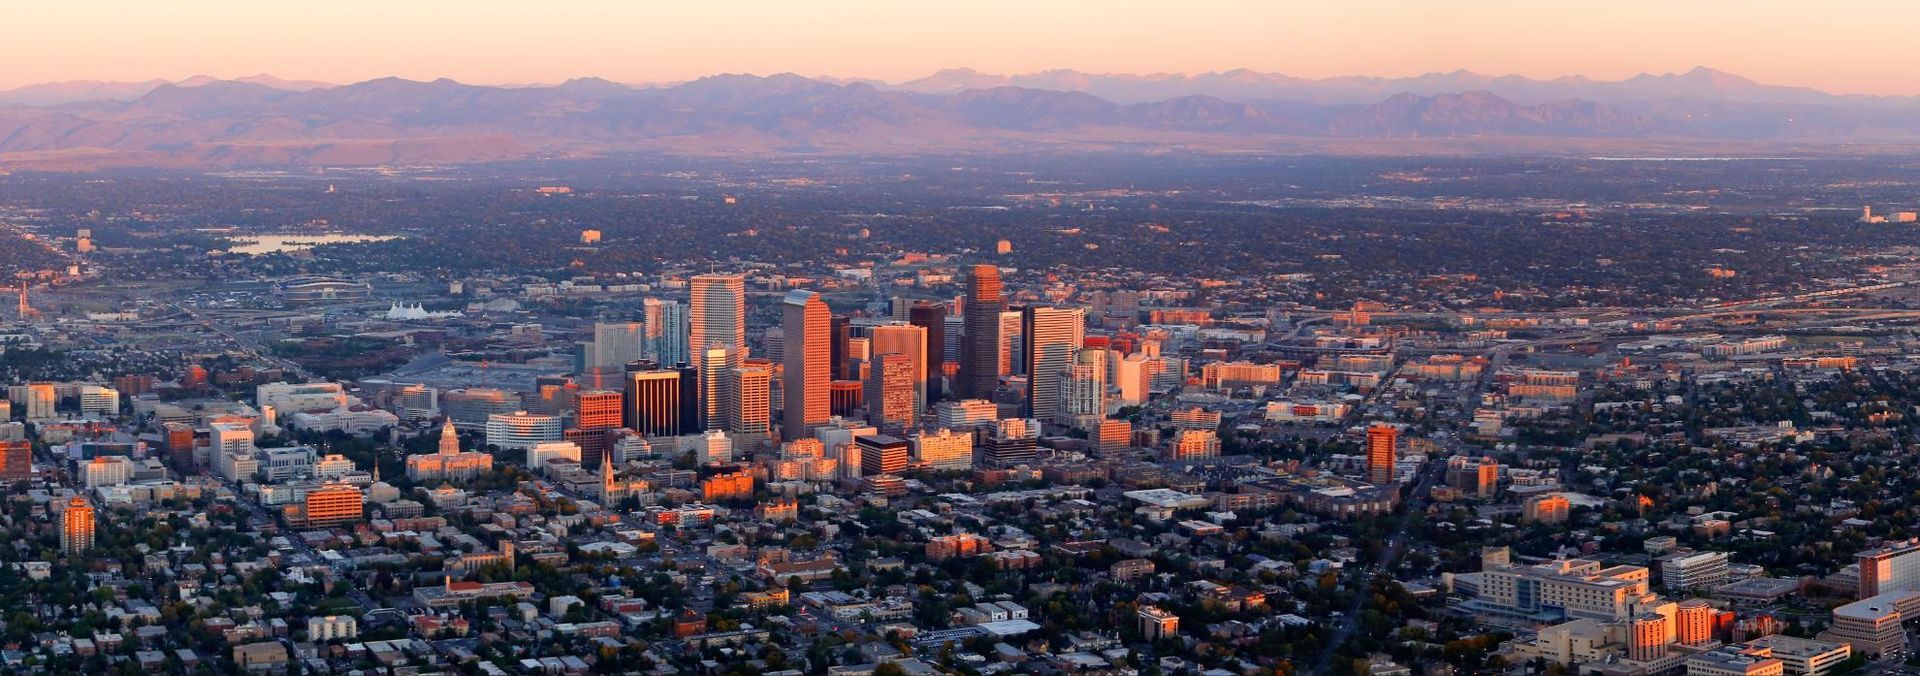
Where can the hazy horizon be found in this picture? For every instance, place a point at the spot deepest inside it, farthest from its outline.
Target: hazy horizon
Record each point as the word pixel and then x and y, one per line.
pixel 1775 43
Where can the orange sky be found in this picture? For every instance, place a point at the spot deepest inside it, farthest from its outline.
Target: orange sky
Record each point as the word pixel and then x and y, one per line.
pixel 1848 47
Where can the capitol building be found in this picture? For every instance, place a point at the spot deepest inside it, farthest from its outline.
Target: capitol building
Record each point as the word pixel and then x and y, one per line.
pixel 450 462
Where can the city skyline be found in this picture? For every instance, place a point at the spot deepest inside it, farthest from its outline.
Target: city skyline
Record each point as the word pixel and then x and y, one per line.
pixel 655 43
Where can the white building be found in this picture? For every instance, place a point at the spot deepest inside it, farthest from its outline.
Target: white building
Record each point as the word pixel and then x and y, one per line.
pixel 538 454
pixel 295 397
pixel 99 400
pixel 943 450
pixel 521 430
pixel 332 628
pixel 107 470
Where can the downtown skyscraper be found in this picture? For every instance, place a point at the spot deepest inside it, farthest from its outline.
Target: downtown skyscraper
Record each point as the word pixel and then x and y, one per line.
pixel 806 380
pixel 667 324
pixel 719 314
pixel 1052 336
pixel 980 334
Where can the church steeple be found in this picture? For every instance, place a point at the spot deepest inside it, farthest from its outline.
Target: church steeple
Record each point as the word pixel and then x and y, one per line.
pixel 606 477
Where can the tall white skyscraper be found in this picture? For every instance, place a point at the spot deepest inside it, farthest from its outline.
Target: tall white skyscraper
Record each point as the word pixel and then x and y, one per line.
pixel 1083 388
pixel 719 312
pixel 671 347
pixel 807 380
pixel 1052 335
pixel 717 363
pixel 616 343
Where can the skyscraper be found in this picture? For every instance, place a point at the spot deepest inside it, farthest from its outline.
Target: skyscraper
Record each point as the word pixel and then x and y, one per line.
pixel 717 363
pixel 752 391
pixel 596 413
pixel 1083 388
pixel 668 332
pixel 653 403
pixel 980 334
pixel 910 343
pixel 806 384
pixel 1381 442
pixel 719 312
pixel 616 343
pixel 932 318
pixel 842 330
pixel 889 396
pixel 76 526
pixel 1052 336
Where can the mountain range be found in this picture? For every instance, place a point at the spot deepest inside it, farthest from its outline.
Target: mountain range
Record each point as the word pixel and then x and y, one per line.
pixel 266 121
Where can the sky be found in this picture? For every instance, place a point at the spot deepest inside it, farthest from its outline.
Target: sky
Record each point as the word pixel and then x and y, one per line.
pixel 1848 47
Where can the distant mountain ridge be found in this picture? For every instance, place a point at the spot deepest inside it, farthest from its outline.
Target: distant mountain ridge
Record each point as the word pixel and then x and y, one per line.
pixel 266 121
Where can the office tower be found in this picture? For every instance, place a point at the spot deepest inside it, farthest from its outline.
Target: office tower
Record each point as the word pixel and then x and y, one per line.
pixel 943 450
pixel 717 363
pixel 842 330
pixel 16 458
pixel 1052 336
pixel 910 343
pixel 179 443
pixel 719 312
pixel 616 343
pixel 898 308
pixel 951 351
pixel 652 403
pixel 932 318
pixel 335 504
pixel 99 400
pixel 1012 344
pixel 596 413
pixel 1012 441
pixel 521 429
pixel 859 352
pixel 889 396
pixel 1381 443
pixel 965 414
pixel 41 398
pixel 669 328
pixel 76 526
pixel 1113 436
pixel 1083 388
pixel 848 395
pixel 980 334
pixel 752 393
pixel 881 454
pixel 806 386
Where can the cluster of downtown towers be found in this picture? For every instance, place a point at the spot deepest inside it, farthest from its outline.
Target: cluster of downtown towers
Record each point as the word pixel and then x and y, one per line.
pixel 685 368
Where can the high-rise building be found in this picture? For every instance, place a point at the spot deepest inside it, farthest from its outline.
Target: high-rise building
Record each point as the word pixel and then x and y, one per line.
pixel 965 414
pixel 932 320
pixel 1382 442
pixel 848 395
pixel 41 398
pixel 980 334
pixel 616 343
pixel 521 429
pixel 910 343
pixel 653 403
pixel 889 395
pixel 179 441
pixel 1012 344
pixel 943 450
pixel 1693 622
pixel 1052 337
pixel 717 363
pixel 806 385
pixel 596 413
pixel 99 400
pixel 841 330
pixel 1647 637
pixel 76 526
pixel 1693 570
pixel 16 459
pixel 752 393
pixel 334 504
pixel 1012 441
pixel 1891 567
pixel 719 312
pixel 881 454
pixel 1083 389
pixel 669 327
